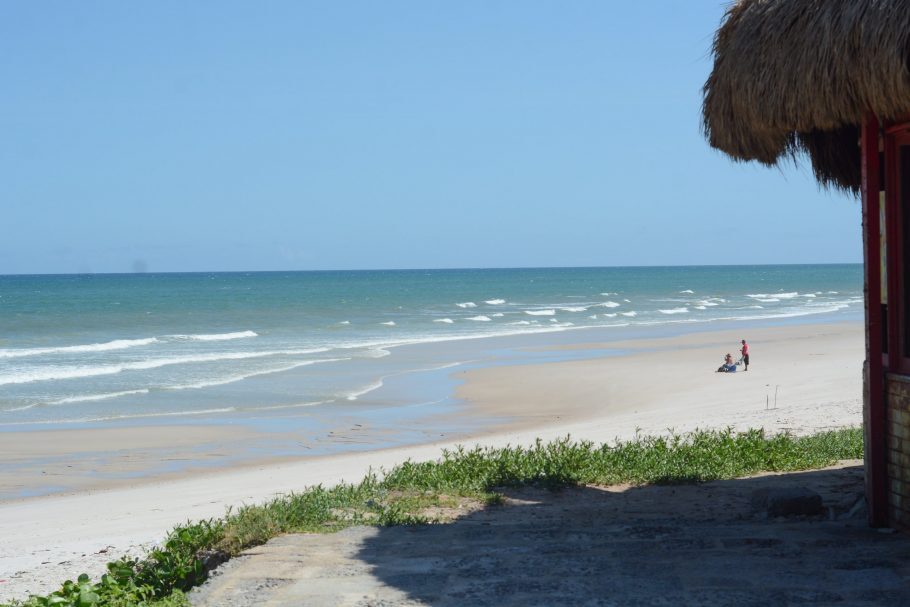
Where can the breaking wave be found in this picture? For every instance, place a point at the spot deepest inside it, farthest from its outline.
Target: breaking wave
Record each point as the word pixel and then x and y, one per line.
pixel 217 336
pixel 540 312
pixel 80 399
pixel 57 372
pixel 675 311
pixel 241 377
pixel 117 344
pixel 789 295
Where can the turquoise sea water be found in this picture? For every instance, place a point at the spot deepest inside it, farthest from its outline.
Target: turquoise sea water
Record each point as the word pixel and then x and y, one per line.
pixel 77 348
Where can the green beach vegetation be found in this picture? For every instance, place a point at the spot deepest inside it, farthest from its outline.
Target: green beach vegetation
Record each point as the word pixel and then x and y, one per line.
pixel 415 493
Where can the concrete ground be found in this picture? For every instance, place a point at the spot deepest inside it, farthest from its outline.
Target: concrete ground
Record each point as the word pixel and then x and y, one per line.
pixel 683 545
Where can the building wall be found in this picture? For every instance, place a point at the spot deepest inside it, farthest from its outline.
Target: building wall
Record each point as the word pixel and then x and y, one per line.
pixel 897 395
pixel 867 441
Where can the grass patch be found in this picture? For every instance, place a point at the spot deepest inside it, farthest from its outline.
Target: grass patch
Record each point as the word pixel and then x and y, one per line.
pixel 462 480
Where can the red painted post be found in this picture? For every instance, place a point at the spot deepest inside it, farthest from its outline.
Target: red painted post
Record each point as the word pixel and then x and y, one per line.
pixel 875 434
pixel 893 253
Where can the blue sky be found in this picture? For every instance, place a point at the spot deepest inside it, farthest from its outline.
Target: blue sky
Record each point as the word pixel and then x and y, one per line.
pixel 174 136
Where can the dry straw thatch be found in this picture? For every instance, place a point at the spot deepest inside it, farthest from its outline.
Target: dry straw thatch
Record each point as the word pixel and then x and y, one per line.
pixel 793 76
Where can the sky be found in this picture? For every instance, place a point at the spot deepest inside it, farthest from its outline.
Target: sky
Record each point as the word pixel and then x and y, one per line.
pixel 220 136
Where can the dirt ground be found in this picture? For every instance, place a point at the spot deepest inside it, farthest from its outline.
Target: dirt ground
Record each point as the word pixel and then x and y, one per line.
pixel 657 545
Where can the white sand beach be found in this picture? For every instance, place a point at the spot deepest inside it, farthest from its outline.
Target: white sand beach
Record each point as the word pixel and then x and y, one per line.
pixel 803 378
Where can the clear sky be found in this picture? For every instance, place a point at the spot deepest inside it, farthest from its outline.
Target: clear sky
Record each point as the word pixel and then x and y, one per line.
pixel 185 136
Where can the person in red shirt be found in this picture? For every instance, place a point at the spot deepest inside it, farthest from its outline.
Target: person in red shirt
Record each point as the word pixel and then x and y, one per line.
pixel 745 352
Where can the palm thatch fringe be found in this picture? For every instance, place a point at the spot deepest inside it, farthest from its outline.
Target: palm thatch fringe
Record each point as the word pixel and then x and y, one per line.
pixel 794 76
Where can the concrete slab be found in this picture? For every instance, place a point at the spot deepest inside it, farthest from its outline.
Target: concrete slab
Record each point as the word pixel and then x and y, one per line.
pixel 689 545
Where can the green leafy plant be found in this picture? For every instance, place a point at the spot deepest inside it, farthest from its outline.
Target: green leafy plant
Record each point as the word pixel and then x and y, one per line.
pixel 413 493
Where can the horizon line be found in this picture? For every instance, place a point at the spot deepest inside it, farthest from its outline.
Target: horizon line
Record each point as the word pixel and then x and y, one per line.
pixel 446 269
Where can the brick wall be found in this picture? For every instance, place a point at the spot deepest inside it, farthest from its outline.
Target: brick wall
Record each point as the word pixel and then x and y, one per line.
pixel 897 392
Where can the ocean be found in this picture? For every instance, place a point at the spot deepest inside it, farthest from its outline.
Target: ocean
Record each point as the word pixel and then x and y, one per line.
pixel 98 347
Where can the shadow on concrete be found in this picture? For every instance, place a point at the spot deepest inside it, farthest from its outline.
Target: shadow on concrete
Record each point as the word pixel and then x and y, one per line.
pixel 654 545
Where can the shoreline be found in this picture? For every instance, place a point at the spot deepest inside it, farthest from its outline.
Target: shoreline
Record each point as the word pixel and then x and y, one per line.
pixel 543 337
pixel 563 394
pixel 414 406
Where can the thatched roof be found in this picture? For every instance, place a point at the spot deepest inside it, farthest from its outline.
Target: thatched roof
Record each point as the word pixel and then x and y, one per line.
pixel 794 76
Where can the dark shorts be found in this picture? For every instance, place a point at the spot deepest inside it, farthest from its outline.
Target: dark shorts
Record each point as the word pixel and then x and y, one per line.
pixel 746 358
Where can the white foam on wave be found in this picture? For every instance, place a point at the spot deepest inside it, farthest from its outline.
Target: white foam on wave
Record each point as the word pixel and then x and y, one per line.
pixel 627 301
pixel 613 315
pixel 80 399
pixel 480 318
pixel 390 323
pixel 789 295
pixel 809 295
pixel 630 314
pixel 94 397
pixel 805 311
pixel 573 308
pixel 467 304
pixel 675 311
pixel 216 336
pixel 108 418
pixel 345 322
pixel 235 378
pixel 117 344
pixel 767 299
pixel 540 312
pixel 447 321
pixel 609 294
pixel 593 316
pixel 58 372
pixel 700 307
pixel 381 381
pixel 291 406
pixel 358 393
pixel 610 304
pixel 495 302
pixel 497 315
pixel 522 328
pixel 689 291
pixel 706 303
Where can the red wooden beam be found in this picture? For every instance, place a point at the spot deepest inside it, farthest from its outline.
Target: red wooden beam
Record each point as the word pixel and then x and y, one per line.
pixel 875 432
pixel 893 239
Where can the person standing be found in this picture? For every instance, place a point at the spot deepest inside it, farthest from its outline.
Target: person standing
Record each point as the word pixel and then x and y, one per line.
pixel 745 352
